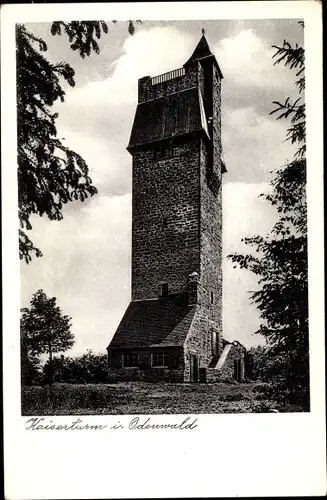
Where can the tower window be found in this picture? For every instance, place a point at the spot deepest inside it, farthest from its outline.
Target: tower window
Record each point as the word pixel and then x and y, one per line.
pixel 212 297
pixel 172 152
pixel 164 289
pixel 165 150
pixel 165 222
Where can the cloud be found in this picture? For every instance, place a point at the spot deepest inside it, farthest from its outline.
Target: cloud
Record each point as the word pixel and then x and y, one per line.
pixel 244 215
pixel 86 264
pixel 253 145
pixel 110 165
pixel 96 119
pixel 149 53
pixel 248 60
pixel 253 140
pixel 143 54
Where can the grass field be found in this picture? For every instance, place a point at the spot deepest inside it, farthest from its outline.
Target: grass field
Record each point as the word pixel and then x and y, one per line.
pixel 149 398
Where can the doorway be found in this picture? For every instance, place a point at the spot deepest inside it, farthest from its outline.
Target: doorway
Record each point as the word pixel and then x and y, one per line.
pixel 237 370
pixel 194 368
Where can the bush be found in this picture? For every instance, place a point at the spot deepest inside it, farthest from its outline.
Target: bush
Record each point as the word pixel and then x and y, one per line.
pixel 285 393
pixel 89 368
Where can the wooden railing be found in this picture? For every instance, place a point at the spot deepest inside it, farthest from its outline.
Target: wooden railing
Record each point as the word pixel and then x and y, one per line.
pixel 176 73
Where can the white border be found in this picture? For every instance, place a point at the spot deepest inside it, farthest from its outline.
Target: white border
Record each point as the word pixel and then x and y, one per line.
pixel 227 455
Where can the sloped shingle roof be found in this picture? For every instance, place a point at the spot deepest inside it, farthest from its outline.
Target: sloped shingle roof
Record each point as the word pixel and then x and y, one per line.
pixel 168 116
pixel 201 50
pixel 159 322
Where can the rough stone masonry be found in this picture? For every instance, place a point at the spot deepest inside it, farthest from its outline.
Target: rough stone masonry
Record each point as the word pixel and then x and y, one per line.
pixel 172 328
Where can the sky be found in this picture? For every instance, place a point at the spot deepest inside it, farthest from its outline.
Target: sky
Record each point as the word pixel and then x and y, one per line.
pixel 87 256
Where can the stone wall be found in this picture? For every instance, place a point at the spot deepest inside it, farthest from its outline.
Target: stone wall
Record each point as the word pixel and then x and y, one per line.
pixel 211 218
pixel 212 375
pixel 175 358
pixel 174 372
pixel 165 219
pixel 147 91
pixel 178 369
pixel 165 207
pixel 211 249
pixel 237 352
pixel 177 220
pixel 226 372
pixel 211 222
pixel 145 375
pixel 198 341
pixel 208 317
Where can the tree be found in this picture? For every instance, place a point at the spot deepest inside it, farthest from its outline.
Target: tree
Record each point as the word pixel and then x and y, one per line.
pixel 280 259
pixel 49 173
pixel 266 366
pixel 89 368
pixel 45 329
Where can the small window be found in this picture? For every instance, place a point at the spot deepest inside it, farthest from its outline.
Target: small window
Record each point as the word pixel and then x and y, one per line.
pixel 172 152
pixel 237 370
pixel 212 297
pixel 165 150
pixel 214 342
pixel 159 152
pixel 165 222
pixel 164 289
pixel 159 358
pixel 130 359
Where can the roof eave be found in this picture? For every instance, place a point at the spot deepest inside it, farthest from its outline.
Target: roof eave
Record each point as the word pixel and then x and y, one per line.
pixel 133 147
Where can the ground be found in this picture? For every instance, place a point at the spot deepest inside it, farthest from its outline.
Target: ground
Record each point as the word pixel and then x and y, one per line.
pixel 150 398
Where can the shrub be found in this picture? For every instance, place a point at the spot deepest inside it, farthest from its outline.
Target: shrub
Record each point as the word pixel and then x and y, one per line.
pixel 86 369
pixel 42 400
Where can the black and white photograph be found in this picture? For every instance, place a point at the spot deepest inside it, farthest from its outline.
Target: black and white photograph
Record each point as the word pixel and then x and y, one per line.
pixel 168 270
pixel 163 234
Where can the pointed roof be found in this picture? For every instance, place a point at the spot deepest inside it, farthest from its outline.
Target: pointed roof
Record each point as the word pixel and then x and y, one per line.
pixel 202 51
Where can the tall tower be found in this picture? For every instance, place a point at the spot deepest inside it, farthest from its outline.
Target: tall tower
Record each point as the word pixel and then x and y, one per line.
pixel 177 214
pixel 176 148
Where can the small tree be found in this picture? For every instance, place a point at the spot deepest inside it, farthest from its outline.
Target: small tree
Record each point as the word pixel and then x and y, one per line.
pixel 45 329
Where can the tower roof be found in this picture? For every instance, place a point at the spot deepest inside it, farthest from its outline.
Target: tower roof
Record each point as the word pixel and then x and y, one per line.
pixel 168 116
pixel 202 51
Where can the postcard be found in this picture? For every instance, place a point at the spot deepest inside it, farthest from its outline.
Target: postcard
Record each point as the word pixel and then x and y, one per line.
pixel 163 281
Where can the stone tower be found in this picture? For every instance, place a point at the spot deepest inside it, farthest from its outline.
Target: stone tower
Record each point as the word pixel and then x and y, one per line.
pixel 173 325
pixel 176 149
